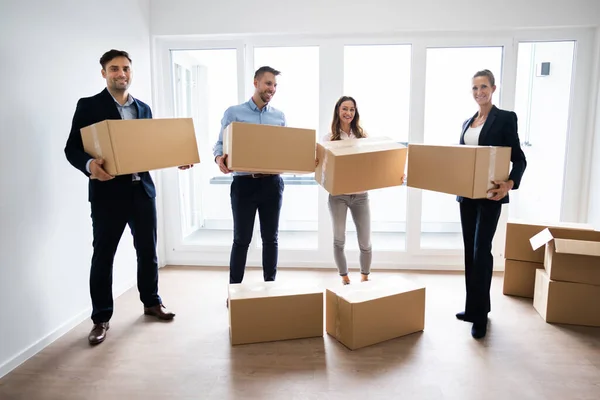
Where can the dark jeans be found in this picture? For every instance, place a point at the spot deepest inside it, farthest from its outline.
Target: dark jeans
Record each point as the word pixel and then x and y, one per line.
pixel 479 219
pixel 109 218
pixel 249 195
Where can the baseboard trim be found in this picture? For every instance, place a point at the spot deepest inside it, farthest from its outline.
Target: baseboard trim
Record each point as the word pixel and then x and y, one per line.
pixel 47 340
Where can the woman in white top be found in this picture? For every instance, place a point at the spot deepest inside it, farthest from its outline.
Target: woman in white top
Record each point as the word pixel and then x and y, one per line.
pixel 490 126
pixel 346 125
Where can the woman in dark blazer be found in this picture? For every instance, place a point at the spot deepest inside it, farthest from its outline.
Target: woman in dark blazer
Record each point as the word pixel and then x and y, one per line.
pixel 490 126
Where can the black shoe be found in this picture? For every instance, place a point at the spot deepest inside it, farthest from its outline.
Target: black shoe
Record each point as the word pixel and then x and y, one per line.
pixel 463 317
pixel 479 330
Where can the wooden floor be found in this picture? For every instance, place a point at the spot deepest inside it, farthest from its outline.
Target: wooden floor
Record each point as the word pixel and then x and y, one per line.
pixel 191 358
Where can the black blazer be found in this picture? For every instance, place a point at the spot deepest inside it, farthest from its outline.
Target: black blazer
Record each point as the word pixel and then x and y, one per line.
pixel 91 110
pixel 500 129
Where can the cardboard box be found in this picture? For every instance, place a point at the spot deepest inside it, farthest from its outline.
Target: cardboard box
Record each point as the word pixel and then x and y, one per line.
pixel 373 312
pixel 466 171
pixel 518 233
pixel 519 278
pixel 357 165
pixel 570 260
pixel 271 311
pixel 139 145
pixel 269 149
pixel 566 302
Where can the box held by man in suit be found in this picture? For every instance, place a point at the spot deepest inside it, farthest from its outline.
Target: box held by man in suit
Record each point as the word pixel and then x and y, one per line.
pixel 138 145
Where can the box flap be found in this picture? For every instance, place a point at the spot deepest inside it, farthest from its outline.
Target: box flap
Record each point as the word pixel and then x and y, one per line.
pixel 541 239
pixel 579 247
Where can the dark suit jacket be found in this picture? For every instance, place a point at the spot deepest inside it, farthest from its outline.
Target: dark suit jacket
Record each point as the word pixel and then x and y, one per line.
pixel 500 129
pixel 91 110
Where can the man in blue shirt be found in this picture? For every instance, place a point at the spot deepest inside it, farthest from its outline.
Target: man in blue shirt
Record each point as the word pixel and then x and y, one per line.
pixel 254 192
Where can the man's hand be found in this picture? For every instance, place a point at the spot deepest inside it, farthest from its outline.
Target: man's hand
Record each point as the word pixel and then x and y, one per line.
pixel 501 190
pixel 184 167
pixel 98 172
pixel 221 162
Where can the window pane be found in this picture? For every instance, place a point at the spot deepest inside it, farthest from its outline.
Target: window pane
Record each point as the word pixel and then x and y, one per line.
pixel 209 87
pixel 384 111
pixel 448 103
pixel 297 96
pixel 542 106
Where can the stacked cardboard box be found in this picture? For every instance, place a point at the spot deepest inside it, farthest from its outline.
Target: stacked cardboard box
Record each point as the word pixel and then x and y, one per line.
pixel 522 261
pixel 567 290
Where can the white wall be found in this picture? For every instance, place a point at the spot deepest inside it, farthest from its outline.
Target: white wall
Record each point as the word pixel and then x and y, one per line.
pixel 50 60
pixel 594 198
pixel 175 17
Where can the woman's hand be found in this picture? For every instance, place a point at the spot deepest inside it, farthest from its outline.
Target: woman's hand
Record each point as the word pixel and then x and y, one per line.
pixel 501 190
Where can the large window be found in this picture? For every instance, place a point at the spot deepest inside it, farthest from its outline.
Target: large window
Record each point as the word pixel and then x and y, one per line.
pixel 297 94
pixel 411 88
pixel 448 103
pixel 542 104
pixel 205 83
pixel 378 78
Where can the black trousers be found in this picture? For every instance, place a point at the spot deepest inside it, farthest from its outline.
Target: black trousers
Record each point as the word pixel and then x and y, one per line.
pixel 479 219
pixel 249 195
pixel 110 216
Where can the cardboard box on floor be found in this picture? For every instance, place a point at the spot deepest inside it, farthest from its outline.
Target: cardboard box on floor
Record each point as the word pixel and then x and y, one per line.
pixel 566 302
pixel 521 260
pixel 357 165
pixel 269 149
pixel 519 278
pixel 570 260
pixel 373 312
pixel 272 311
pixel 139 145
pixel 461 170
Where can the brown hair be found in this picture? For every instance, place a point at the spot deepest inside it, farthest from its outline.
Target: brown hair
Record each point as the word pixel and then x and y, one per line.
pixel 261 71
pixel 354 125
pixel 488 74
pixel 111 55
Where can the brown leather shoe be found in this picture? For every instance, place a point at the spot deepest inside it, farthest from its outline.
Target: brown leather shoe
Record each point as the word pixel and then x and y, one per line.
pixel 157 311
pixel 98 333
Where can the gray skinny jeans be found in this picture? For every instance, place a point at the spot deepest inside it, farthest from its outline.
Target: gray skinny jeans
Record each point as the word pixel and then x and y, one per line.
pixel 361 214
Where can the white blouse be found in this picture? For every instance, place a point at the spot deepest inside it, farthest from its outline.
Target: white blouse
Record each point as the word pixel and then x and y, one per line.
pixel 343 136
pixel 472 135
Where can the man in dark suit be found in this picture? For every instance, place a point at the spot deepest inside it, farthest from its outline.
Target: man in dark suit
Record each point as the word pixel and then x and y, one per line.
pixel 116 201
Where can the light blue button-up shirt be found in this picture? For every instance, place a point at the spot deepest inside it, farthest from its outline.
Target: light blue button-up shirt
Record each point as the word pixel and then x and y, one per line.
pixel 127 111
pixel 250 113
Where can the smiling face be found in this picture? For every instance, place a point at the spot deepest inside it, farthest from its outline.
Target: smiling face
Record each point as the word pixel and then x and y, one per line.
pixel 482 90
pixel 346 112
pixel 117 73
pixel 266 86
